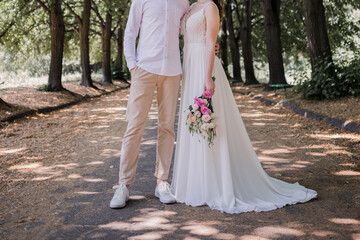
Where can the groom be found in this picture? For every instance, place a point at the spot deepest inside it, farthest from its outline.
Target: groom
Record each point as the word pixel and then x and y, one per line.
pixel 154 65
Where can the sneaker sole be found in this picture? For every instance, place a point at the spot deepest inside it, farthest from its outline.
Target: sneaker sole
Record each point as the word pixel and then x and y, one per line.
pixel 119 206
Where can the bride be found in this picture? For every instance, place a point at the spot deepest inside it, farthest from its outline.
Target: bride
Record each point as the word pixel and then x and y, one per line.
pixel 226 176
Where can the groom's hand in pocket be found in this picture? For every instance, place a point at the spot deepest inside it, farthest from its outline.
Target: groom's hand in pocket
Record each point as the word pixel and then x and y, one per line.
pixel 132 71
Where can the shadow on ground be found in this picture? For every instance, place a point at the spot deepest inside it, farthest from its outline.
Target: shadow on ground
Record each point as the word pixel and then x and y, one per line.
pixel 58 176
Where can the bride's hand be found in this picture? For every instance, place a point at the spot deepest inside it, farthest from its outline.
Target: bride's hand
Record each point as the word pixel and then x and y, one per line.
pixel 209 85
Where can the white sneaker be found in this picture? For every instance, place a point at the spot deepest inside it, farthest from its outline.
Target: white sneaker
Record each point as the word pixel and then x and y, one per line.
pixel 163 192
pixel 120 197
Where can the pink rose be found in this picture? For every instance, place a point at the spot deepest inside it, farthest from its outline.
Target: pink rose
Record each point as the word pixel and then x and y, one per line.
pixel 205 111
pixel 195 106
pixel 200 102
pixel 207 94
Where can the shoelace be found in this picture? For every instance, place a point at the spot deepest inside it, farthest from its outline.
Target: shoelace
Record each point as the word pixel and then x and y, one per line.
pixel 119 187
pixel 165 187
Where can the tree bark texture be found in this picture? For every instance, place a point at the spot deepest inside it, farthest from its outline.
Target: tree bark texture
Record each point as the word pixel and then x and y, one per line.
pixel 318 40
pixel 234 45
pixel 223 51
pixel 106 48
pixel 84 27
pixel 119 48
pixel 246 43
pixel 271 11
pixel 57 32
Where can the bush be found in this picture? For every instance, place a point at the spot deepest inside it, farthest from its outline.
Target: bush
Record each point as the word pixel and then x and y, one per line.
pixel 329 81
pixel 46 88
pixel 350 77
pixel 118 74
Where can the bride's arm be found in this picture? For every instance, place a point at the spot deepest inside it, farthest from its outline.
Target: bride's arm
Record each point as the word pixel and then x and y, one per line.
pixel 212 29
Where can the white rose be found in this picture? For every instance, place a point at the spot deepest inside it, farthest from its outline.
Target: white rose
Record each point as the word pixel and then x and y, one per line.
pixel 211 125
pixel 206 118
pixel 188 112
pixel 205 127
pixel 197 113
pixel 195 106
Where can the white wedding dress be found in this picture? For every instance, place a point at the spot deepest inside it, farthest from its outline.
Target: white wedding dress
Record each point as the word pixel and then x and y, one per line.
pixel 227 176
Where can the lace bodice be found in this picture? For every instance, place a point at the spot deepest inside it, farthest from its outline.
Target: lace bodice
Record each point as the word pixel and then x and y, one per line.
pixel 193 25
pixel 194 28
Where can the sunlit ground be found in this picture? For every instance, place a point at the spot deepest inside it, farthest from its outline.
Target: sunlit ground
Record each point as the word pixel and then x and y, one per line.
pixel 58 169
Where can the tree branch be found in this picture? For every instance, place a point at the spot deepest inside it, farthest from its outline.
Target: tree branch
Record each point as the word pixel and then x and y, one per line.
pixel 43 5
pixel 96 32
pixel 237 12
pixel 72 26
pixel 259 20
pixel 116 26
pixel 32 10
pixel 13 21
pixel 96 10
pixel 73 12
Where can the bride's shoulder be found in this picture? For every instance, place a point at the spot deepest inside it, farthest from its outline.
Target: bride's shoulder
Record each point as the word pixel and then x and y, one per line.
pixel 211 6
pixel 211 10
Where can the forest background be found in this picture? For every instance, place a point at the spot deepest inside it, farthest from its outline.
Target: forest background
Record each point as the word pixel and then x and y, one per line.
pixel 313 44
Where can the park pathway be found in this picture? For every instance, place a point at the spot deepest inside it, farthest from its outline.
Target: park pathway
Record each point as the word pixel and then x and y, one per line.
pixel 58 169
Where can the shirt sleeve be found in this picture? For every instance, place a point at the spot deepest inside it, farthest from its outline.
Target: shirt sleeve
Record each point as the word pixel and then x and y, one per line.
pixel 131 33
pixel 185 10
pixel 187 6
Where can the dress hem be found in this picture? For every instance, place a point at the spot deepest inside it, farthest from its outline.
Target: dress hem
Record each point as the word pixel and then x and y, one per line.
pixel 311 196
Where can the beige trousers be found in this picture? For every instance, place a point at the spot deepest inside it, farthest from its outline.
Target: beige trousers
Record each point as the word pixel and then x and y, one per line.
pixel 143 86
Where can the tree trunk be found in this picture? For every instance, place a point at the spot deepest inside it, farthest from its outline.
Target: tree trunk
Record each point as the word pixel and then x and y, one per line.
pixel 119 48
pixel 235 53
pixel 318 40
pixel 106 49
pixel 224 47
pixel 271 11
pixel 84 45
pixel 3 103
pixel 57 46
pixel 246 44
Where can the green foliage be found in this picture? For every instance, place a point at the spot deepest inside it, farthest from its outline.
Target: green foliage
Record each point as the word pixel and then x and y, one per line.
pixel 34 65
pixel 25 41
pixel 293 30
pixel 329 81
pixel 350 77
pixel 343 23
pixel 46 88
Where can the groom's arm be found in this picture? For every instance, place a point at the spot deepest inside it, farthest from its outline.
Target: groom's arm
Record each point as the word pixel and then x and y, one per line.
pixel 186 9
pixel 131 33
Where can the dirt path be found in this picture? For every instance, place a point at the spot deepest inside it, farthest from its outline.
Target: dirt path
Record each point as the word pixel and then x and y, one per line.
pixel 57 171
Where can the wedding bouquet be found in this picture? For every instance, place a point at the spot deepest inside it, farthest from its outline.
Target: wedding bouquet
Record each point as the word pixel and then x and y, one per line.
pixel 200 117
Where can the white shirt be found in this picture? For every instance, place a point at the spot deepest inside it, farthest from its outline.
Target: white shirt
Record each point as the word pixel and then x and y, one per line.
pixel 158 47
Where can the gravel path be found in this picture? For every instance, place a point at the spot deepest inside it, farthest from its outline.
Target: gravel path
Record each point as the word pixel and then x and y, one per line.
pixel 57 171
